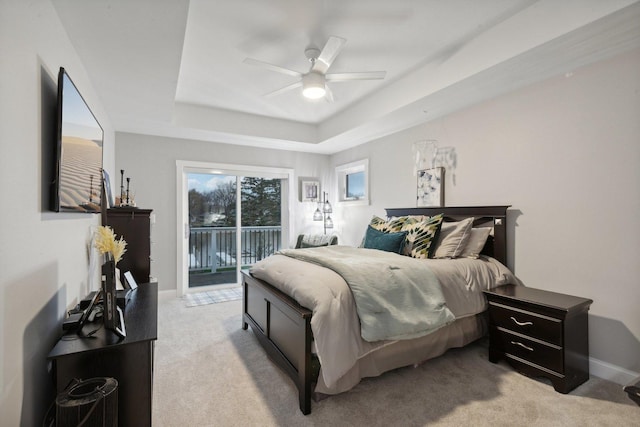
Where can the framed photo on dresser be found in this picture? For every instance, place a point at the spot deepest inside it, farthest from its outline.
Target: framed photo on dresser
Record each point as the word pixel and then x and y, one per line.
pixel 131 282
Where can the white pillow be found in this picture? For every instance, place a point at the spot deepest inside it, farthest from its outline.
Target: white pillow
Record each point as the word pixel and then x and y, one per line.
pixel 453 238
pixel 477 239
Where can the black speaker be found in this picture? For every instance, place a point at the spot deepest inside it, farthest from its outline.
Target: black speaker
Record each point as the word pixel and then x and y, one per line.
pixel 92 403
pixel 109 294
pixel 111 314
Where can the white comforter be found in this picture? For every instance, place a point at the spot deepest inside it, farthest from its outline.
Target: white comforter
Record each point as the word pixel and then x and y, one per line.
pixel 396 298
pixel 335 323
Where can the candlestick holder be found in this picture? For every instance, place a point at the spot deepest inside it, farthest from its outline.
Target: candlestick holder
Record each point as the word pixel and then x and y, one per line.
pixel 128 181
pixel 121 187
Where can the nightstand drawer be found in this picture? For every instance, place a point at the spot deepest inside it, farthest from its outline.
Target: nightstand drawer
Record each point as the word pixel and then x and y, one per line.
pixel 525 322
pixel 545 355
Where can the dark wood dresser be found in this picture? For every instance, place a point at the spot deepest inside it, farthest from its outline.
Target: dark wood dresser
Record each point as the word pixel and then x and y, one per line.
pixel 135 226
pixel 540 333
pixel 104 354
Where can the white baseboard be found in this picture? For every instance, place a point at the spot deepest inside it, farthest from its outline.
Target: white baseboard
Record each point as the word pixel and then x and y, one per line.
pixel 611 372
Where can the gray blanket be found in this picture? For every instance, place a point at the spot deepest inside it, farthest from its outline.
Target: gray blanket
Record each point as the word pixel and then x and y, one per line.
pixel 397 297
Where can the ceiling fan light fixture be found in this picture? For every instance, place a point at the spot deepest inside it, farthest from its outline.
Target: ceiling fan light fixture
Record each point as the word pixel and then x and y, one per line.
pixel 314 82
pixel 313 86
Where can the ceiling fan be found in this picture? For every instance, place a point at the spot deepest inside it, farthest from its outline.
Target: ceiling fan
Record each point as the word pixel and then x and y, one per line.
pixel 314 82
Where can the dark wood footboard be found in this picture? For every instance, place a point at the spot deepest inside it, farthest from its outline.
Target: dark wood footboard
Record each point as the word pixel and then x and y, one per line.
pixel 283 328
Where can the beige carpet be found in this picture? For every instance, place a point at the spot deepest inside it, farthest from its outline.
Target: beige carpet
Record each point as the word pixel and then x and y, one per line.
pixel 209 372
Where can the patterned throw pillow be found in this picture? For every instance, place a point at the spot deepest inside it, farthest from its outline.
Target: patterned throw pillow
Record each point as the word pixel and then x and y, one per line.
pixel 421 235
pixel 378 223
pixel 395 224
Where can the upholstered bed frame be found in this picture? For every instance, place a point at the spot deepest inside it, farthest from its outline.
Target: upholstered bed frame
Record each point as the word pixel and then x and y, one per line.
pixel 283 327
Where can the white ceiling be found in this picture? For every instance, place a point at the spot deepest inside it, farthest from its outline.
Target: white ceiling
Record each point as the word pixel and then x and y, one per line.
pixel 174 67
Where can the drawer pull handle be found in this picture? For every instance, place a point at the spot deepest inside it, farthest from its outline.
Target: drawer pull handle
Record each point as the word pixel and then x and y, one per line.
pixel 521 323
pixel 522 345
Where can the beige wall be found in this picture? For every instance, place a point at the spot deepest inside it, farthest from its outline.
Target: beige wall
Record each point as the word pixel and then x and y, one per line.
pixel 150 161
pixel 565 153
pixel 43 255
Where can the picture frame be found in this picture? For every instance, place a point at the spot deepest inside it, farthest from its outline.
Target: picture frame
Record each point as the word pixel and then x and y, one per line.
pixel 107 186
pixel 309 190
pixel 430 188
pixel 131 282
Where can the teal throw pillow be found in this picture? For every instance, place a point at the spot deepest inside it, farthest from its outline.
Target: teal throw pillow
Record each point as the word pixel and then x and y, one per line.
pixel 390 242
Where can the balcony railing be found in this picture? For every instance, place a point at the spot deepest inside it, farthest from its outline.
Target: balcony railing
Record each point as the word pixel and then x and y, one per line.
pixel 214 248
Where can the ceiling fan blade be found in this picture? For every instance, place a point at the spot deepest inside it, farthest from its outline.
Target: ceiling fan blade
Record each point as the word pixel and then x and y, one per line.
pixel 364 75
pixel 329 53
pixel 272 67
pixel 283 89
pixel 328 96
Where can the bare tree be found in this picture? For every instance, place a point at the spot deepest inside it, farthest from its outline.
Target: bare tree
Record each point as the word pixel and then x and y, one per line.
pixel 223 199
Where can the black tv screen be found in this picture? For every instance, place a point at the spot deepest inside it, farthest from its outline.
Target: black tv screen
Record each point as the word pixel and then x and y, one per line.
pixel 78 180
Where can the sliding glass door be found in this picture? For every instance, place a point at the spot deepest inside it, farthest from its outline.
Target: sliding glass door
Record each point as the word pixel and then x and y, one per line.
pixel 233 217
pixel 212 229
pixel 261 218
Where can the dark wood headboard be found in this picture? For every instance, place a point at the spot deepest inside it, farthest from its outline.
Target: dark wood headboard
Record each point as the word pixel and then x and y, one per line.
pixel 484 216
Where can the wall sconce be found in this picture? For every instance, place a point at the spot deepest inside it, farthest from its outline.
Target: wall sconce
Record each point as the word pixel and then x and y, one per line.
pixel 323 212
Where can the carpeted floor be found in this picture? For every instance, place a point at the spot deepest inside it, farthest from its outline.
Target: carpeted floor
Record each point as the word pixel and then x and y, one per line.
pixel 209 372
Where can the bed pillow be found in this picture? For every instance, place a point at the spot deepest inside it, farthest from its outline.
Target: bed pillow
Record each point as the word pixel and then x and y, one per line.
pixel 421 235
pixel 453 238
pixel 378 223
pixel 390 242
pixel 392 225
pixel 410 217
pixel 478 238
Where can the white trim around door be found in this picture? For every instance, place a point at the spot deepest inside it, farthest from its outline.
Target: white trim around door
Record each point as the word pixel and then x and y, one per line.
pixel 184 167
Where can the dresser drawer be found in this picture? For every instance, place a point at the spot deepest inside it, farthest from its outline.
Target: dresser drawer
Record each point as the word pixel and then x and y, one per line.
pixel 526 322
pixel 545 355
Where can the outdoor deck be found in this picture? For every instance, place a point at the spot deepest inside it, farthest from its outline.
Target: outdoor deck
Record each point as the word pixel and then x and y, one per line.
pixel 206 279
pixel 212 252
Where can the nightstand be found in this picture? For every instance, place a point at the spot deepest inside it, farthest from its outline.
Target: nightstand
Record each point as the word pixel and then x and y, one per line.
pixel 540 333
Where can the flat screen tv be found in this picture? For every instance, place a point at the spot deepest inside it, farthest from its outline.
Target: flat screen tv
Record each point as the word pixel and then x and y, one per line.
pixel 77 184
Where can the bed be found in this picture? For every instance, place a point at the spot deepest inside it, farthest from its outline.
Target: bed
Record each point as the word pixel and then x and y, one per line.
pixel 282 317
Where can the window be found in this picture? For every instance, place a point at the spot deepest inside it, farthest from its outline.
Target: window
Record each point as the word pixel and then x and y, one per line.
pixel 353 182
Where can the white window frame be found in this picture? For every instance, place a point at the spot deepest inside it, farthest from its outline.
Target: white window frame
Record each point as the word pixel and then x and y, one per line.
pixel 183 168
pixel 341 178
